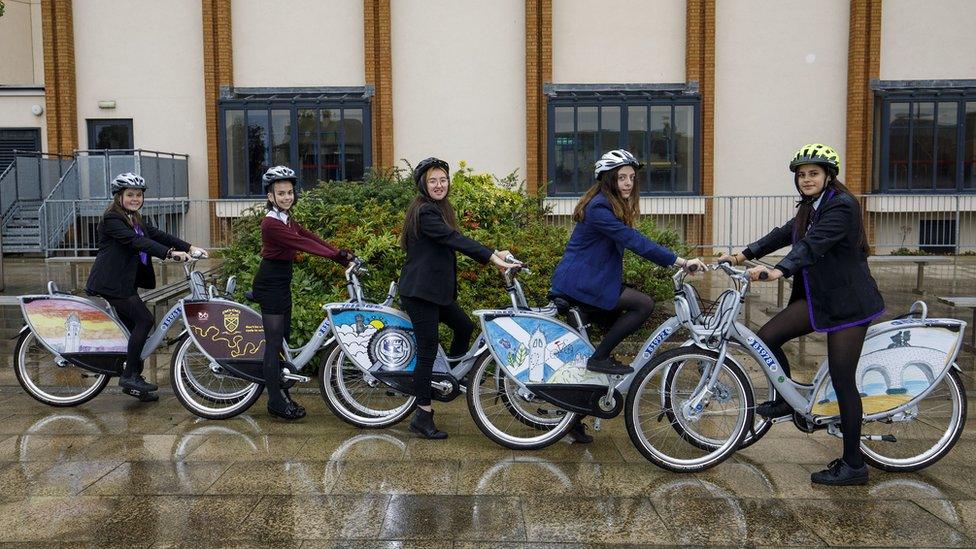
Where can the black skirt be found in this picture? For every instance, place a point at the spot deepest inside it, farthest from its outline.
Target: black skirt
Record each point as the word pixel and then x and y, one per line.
pixel 272 286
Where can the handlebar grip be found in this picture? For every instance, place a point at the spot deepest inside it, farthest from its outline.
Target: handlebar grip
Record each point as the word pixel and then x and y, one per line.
pixel 764 275
pixel 692 268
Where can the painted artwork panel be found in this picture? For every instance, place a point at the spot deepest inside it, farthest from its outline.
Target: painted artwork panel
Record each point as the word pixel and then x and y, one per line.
pixel 895 367
pixel 226 331
pixel 540 350
pixel 376 340
pixel 70 326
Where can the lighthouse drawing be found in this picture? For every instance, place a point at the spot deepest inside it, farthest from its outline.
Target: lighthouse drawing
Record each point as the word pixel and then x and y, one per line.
pixel 72 334
pixel 537 357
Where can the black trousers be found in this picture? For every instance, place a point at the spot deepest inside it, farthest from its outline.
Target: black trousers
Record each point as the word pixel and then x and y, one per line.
pixel 426 316
pixel 139 321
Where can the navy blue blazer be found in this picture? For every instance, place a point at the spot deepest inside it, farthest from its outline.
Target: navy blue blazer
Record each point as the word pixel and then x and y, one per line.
pixel 592 268
pixel 837 283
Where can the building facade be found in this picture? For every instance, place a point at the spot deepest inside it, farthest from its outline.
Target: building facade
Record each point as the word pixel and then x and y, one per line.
pixel 714 95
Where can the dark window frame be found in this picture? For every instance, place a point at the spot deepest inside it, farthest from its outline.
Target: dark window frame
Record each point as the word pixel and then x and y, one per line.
pixel 912 93
pixel 92 123
pixel 622 96
pixel 292 100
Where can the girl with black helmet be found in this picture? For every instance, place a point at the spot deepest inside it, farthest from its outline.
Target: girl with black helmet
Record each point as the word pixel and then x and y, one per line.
pixel 590 274
pixel 125 242
pixel 281 239
pixel 833 292
pixel 428 281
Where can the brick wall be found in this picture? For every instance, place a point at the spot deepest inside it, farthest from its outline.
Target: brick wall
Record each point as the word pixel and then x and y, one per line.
pixel 60 93
pixel 700 67
pixel 538 71
pixel 379 74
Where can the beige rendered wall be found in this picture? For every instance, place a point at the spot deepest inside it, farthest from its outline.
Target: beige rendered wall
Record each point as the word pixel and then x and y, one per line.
pixel 925 39
pixel 21 47
pixel 459 82
pixel 633 41
pixel 298 43
pixel 15 111
pixel 154 72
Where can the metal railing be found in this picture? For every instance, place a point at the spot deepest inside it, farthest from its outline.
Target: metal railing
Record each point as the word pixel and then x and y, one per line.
pixel 894 223
pixel 166 174
pixel 30 177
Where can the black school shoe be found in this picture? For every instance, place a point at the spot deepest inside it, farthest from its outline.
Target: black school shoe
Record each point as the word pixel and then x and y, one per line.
pixel 839 473
pixel 578 432
pixel 772 409
pixel 609 365
pixel 423 424
pixel 289 411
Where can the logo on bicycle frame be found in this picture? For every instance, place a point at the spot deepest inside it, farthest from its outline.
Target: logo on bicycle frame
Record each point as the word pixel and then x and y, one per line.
pixel 763 353
pixel 655 342
pixel 232 319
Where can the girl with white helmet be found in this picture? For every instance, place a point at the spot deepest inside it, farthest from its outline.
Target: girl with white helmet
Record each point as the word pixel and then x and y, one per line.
pixel 125 242
pixel 590 273
pixel 281 238
pixel 833 292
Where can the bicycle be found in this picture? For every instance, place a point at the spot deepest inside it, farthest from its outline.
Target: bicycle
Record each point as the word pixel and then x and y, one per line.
pixel 914 402
pixel 366 377
pixel 70 346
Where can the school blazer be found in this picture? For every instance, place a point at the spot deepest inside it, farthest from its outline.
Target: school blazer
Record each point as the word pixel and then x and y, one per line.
pixel 592 268
pixel 430 272
pixel 117 271
pixel 837 283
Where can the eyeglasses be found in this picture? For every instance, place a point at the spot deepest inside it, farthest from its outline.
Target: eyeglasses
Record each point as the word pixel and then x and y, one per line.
pixel 442 181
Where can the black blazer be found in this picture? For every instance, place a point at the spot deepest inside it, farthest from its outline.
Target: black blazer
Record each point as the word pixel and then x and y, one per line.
pixel 837 283
pixel 430 272
pixel 117 271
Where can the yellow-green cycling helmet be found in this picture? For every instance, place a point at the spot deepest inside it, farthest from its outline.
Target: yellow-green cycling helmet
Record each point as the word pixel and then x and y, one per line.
pixel 816 153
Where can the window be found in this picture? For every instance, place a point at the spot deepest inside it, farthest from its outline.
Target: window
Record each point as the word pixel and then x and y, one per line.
pixel 110 133
pixel 658 123
pixel 937 236
pixel 323 134
pixel 17 139
pixel 925 139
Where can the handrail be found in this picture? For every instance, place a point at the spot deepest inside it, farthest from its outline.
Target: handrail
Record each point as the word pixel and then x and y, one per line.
pixel 123 151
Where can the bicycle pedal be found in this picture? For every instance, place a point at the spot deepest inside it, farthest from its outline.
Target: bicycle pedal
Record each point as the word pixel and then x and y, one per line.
pixel 295 377
pixel 596 424
pixel 142 396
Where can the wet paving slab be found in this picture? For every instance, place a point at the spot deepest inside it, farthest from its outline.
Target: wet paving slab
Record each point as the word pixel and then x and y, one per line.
pixel 78 477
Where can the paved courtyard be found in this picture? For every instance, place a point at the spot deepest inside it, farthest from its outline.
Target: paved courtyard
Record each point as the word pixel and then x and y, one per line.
pixel 118 472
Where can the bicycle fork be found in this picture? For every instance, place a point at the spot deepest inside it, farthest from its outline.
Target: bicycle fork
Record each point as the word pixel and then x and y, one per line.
pixel 692 408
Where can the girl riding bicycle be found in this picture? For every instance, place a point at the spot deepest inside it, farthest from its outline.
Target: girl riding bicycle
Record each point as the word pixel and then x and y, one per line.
pixel 591 270
pixel 281 239
pixel 125 242
pixel 428 281
pixel 833 292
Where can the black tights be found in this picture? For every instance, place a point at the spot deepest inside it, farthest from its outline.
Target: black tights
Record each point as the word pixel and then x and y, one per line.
pixel 633 308
pixel 843 354
pixel 276 329
pixel 425 317
pixel 135 316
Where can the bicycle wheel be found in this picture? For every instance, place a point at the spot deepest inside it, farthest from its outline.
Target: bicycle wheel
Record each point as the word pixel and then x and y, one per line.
pixel 721 422
pixel 48 380
pixel 762 390
pixel 506 416
pixel 206 393
pixel 356 397
pixel 923 433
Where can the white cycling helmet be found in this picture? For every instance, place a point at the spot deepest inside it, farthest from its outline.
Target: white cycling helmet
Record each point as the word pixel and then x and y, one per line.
pixel 278 173
pixel 614 159
pixel 127 181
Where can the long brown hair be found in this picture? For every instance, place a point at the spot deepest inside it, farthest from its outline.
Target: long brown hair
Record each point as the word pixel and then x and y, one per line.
pixel 626 210
pixel 117 207
pixel 805 210
pixel 411 222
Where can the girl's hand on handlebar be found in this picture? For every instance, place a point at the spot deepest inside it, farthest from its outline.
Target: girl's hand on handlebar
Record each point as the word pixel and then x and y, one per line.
pixel 500 263
pixel 761 272
pixel 694 266
pixel 182 257
pixel 199 253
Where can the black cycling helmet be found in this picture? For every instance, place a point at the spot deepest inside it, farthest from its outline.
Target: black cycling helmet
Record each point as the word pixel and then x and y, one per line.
pixel 424 166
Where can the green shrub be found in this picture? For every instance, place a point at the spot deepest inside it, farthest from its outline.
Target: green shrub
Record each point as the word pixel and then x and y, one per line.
pixel 367 217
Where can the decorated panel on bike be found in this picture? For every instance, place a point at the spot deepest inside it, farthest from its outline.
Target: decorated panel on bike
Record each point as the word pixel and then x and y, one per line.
pixel 900 361
pixel 69 325
pixel 536 349
pixel 225 330
pixel 375 337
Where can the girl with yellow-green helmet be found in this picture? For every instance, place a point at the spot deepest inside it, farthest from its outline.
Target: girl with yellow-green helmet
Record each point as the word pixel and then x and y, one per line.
pixel 833 292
